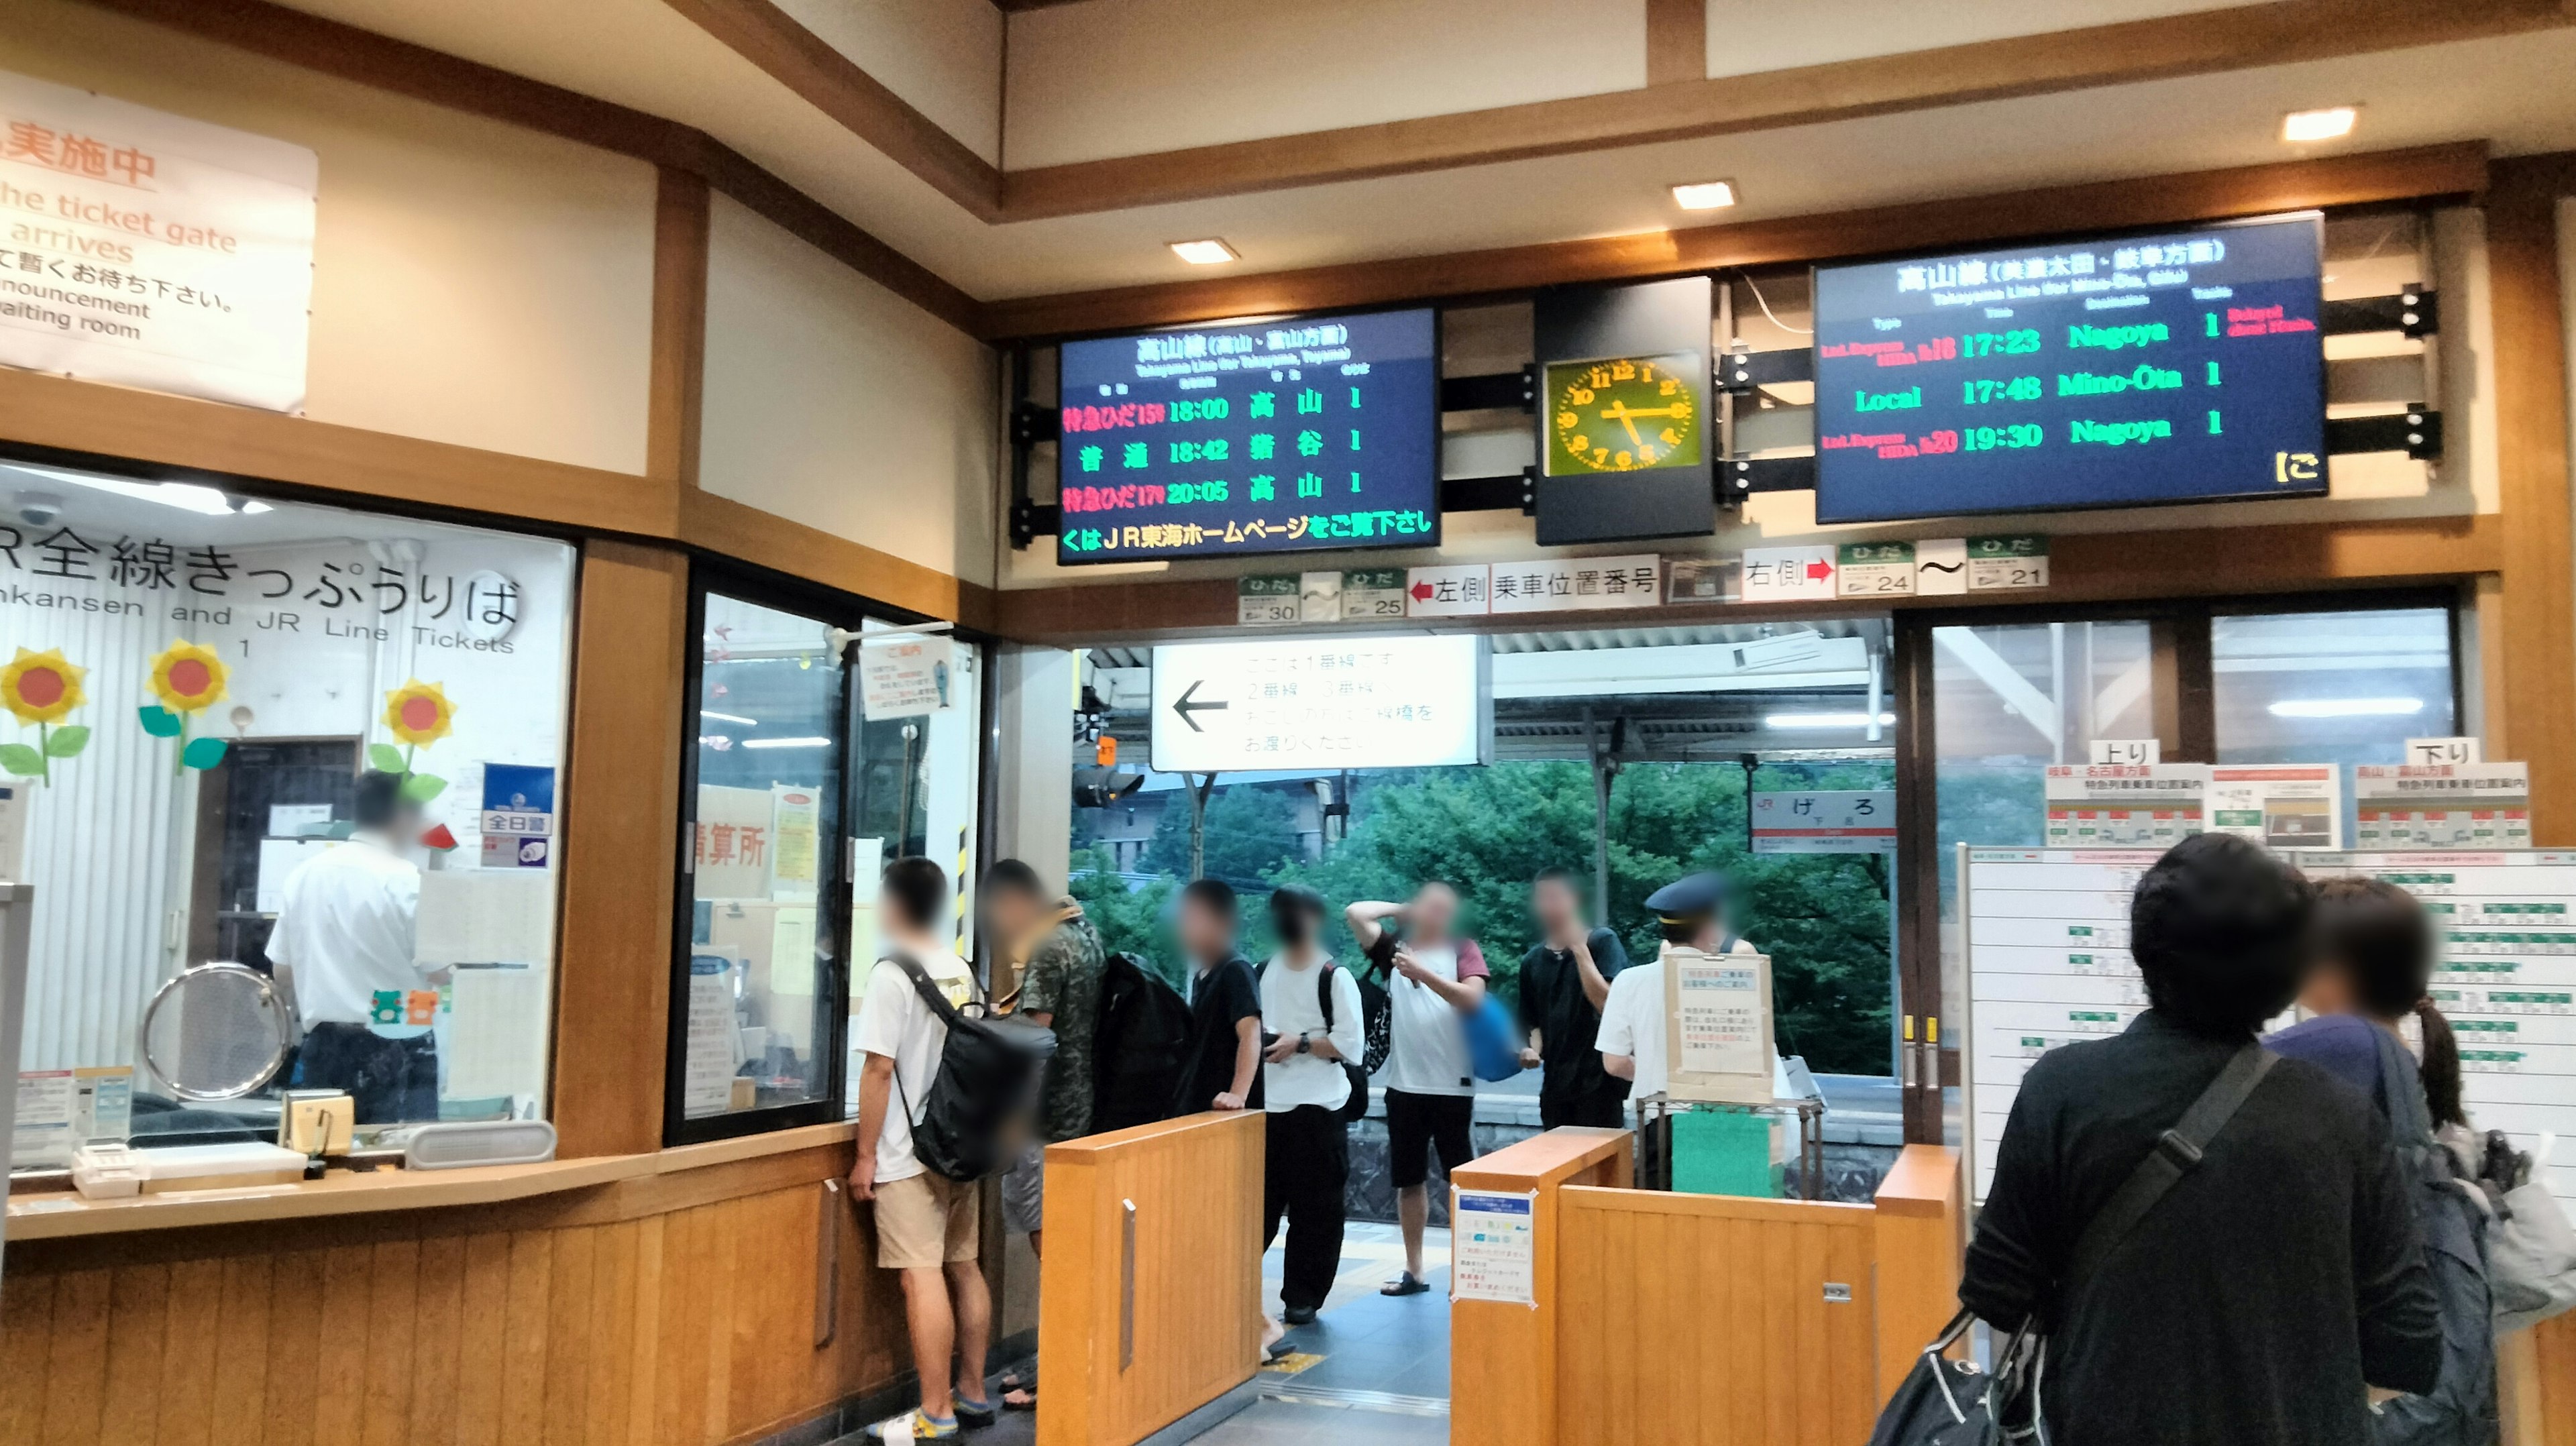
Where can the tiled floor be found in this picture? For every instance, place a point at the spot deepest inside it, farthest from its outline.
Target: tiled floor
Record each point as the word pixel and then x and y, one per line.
pixel 1383 1374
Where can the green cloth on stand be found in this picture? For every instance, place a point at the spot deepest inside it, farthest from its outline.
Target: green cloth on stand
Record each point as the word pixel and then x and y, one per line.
pixel 1723 1152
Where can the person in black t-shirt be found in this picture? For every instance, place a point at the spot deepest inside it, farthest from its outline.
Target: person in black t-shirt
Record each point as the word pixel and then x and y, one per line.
pixel 1225 1006
pixel 1565 978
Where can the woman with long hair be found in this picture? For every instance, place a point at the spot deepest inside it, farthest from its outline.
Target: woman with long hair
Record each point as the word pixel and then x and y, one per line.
pixel 2375 951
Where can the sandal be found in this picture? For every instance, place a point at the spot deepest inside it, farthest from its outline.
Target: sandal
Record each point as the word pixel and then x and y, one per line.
pixel 1406 1284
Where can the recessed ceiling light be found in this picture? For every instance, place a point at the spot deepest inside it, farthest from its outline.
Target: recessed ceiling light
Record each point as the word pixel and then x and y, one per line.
pixel 1705 195
pixel 2301 126
pixel 1210 252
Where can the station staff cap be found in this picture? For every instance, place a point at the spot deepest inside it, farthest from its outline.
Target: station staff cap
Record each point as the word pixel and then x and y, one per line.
pixel 1688 898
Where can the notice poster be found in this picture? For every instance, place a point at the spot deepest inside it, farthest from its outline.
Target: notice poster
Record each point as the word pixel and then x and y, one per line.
pixel 908 676
pixel 2442 806
pixel 734 835
pixel 706 1086
pixel 2124 805
pixel 1493 1247
pixel 517 820
pixel 151 250
pixel 1718 1013
pixel 2280 805
pixel 796 846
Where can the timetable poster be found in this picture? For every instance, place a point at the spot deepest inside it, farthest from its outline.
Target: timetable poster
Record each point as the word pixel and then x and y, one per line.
pixel 1261 437
pixel 2165 368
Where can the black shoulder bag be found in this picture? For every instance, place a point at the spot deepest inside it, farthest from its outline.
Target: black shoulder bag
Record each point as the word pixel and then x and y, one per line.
pixel 1951 1403
pixel 980 1101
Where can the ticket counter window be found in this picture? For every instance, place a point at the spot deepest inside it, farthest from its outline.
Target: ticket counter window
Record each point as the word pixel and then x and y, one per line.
pixel 284 778
pixel 756 1032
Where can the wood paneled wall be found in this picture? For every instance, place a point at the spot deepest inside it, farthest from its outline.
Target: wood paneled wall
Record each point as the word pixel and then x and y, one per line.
pixel 1196 1185
pixel 2548 1416
pixel 672 1310
pixel 1703 1319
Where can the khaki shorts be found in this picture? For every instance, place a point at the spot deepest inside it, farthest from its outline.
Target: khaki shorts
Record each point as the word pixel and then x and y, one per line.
pixel 926 1220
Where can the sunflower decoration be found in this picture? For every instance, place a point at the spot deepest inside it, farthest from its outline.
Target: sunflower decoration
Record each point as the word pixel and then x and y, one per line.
pixel 188 678
pixel 42 689
pixel 419 714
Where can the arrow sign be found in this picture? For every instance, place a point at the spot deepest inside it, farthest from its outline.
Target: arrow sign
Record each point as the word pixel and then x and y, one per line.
pixel 1184 707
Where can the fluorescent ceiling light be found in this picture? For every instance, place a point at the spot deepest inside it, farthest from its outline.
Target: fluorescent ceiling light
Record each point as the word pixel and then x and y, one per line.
pixel 787 743
pixel 1704 195
pixel 186 496
pixel 2347 707
pixel 1824 720
pixel 2302 126
pixel 728 718
pixel 1210 252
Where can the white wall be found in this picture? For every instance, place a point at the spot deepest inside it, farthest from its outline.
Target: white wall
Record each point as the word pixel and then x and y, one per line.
pixel 1126 77
pixel 831 401
pixel 1745 36
pixel 942 57
pixel 473 282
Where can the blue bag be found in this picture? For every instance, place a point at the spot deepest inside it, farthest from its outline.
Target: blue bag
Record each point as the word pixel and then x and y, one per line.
pixel 1493 1043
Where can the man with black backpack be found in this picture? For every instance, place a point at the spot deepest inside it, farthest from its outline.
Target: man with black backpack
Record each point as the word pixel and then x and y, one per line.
pixel 927 1227
pixel 1312 1033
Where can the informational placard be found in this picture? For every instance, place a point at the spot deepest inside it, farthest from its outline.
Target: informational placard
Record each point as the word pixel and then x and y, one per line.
pixel 2006 564
pixel 714 1045
pixel 60 1110
pixel 908 675
pixel 1335 702
pixel 517 819
pixel 2046 940
pixel 2133 752
pixel 1456 590
pixel 733 844
pixel 2444 750
pixel 2442 805
pixel 1825 821
pixel 1319 597
pixel 1875 569
pixel 1577 584
pixel 1941 567
pixel 2280 805
pixel 2186 364
pixel 2124 805
pixel 152 250
pixel 1248 438
pixel 795 849
pixel 1373 594
pixel 1788 574
pixel 1717 1011
pixel 1493 1246
pixel 1267 600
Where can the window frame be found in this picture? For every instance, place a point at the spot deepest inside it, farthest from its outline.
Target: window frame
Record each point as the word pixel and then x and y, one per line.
pixel 2184 701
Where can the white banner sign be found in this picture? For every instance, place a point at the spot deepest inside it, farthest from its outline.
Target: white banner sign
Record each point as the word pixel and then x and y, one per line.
pixel 1578 584
pixel 1352 702
pixel 152 250
pixel 1447 592
pixel 1788 574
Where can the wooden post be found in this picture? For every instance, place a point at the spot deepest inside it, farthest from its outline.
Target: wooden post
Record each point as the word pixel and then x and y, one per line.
pixel 1920 1237
pixel 1502 1358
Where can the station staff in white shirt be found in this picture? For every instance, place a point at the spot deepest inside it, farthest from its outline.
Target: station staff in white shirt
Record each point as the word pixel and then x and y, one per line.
pixel 1692 913
pixel 345 930
pixel 1305 1088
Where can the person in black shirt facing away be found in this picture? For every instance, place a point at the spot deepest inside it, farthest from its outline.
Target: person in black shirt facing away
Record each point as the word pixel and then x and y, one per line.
pixel 2279 1275
pixel 1565 979
pixel 1225 1009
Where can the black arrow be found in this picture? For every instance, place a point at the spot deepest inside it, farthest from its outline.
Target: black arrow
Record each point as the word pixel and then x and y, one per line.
pixel 1183 706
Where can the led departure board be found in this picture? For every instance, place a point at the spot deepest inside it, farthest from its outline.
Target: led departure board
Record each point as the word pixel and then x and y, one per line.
pixel 1280 436
pixel 2177 367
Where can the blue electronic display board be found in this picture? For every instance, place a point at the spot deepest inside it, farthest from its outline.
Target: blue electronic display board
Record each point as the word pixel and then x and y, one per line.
pixel 2181 366
pixel 1239 439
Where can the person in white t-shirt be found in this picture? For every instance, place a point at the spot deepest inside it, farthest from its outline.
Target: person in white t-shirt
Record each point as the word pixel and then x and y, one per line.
pixel 345 931
pixel 1434 980
pixel 1307 1159
pixel 1692 913
pixel 926 1223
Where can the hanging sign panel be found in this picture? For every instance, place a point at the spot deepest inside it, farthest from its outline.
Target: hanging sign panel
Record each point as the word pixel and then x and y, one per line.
pixel 1249 438
pixel 151 250
pixel 1825 821
pixel 1375 702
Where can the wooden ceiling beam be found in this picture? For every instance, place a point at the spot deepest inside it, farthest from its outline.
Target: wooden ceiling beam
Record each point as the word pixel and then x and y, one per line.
pixel 2364 179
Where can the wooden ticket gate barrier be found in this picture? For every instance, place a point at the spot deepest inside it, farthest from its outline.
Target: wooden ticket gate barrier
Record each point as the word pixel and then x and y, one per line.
pixel 1150 1290
pixel 1700 1318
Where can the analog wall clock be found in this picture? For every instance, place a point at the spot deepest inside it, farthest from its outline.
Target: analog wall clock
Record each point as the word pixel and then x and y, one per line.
pixel 1622 414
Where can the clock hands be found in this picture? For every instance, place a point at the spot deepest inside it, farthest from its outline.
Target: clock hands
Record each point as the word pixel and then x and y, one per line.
pixel 1625 416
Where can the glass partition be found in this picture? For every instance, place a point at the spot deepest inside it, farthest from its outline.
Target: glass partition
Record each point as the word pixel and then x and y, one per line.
pixel 315 746
pixel 756 1021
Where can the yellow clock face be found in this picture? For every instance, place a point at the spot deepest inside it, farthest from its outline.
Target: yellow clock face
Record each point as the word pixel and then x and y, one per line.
pixel 1622 414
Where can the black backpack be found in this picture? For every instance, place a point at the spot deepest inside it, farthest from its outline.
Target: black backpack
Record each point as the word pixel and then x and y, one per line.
pixel 990 1070
pixel 1373 1026
pixel 1140 1044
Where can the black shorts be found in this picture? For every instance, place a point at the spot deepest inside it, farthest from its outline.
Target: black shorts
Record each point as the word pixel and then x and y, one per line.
pixel 1418 1124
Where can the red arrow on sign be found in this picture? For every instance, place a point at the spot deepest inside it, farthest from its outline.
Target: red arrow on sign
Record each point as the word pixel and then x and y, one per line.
pixel 1819 570
pixel 1422 592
